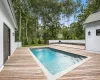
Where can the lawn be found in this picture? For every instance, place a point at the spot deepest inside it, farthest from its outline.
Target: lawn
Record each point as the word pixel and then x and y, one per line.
pixel 35 45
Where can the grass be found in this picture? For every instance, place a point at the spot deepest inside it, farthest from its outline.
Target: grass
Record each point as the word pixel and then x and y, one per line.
pixel 35 45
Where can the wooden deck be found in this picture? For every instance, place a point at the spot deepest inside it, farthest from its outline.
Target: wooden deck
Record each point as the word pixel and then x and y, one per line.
pixel 90 70
pixel 22 66
pixel 82 47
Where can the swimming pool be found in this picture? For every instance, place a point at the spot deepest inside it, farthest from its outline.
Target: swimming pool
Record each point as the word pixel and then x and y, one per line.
pixel 56 61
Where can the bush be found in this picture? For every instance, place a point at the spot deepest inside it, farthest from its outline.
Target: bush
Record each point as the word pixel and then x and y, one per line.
pixel 42 41
pixel 32 42
pixel 35 41
pixel 39 41
pixel 25 43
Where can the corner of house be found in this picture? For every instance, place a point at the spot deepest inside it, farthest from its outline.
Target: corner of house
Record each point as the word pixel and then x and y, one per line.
pixel 1 67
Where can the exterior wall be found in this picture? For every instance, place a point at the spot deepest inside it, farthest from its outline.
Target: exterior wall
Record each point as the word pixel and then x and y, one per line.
pixel 5 18
pixel 92 41
pixel 68 41
pixel 1 40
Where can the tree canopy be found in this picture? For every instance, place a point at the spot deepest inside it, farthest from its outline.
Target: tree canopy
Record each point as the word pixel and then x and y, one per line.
pixel 39 20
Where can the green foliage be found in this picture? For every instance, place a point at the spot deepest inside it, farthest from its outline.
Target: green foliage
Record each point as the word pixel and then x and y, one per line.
pixel 42 41
pixel 25 42
pixel 73 32
pixel 36 41
pixel 39 41
pixel 34 45
pixel 30 12
pixel 32 42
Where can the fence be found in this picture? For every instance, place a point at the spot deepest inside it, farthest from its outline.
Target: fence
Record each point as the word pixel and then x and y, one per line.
pixel 18 44
pixel 77 42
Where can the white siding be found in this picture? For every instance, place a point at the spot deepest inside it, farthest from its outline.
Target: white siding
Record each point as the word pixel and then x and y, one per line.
pixel 1 42
pixel 5 18
pixel 92 41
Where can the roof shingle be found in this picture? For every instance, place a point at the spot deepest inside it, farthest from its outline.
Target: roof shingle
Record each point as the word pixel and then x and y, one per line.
pixel 93 17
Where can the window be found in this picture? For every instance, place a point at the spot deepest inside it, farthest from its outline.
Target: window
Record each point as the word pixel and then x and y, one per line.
pixel 98 32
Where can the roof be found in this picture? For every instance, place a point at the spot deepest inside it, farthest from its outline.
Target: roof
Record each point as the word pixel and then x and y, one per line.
pixel 12 11
pixel 93 17
pixel 9 7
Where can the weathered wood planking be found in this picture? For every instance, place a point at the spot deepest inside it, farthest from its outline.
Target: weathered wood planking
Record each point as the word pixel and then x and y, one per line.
pixel 90 70
pixel 22 66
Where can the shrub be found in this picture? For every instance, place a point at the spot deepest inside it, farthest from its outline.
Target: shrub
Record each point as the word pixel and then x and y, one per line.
pixel 42 41
pixel 35 41
pixel 26 43
pixel 39 41
pixel 32 42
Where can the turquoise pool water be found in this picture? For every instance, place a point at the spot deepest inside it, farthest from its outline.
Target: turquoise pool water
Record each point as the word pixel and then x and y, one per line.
pixel 55 60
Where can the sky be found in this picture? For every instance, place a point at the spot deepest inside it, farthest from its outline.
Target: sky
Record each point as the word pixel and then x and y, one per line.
pixel 67 21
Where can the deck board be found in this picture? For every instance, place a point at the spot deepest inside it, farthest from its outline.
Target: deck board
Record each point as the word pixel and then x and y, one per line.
pixel 90 70
pixel 22 66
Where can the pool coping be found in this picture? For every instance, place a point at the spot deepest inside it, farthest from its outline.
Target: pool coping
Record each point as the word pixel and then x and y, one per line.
pixel 58 75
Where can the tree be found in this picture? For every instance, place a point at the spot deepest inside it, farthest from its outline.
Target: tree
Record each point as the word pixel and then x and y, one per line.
pixel 29 12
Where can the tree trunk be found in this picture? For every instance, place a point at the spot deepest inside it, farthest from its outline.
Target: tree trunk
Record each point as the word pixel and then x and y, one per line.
pixel 26 29
pixel 36 26
pixel 20 26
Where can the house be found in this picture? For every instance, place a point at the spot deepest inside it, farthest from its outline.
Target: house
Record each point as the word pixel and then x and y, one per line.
pixel 92 28
pixel 7 31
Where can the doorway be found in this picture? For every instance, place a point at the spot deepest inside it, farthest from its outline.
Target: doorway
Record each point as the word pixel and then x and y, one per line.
pixel 6 42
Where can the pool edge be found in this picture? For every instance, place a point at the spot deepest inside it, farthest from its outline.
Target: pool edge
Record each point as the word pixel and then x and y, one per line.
pixel 46 72
pixel 60 74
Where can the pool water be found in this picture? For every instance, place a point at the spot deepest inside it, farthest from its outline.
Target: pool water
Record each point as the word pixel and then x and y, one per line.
pixel 55 60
